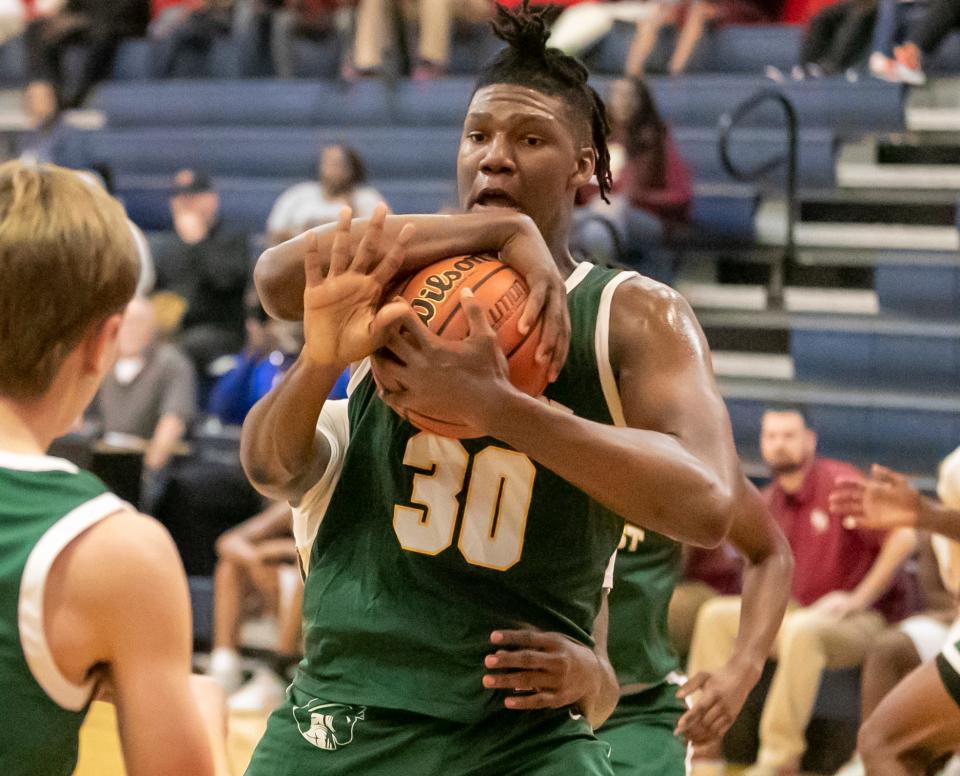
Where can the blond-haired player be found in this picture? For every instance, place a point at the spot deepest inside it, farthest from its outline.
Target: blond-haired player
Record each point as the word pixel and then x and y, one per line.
pixel 92 594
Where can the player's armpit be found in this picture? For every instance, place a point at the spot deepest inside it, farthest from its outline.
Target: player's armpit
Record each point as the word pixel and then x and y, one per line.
pixel 137 602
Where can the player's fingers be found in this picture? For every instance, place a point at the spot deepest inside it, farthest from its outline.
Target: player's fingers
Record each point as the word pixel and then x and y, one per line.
pixel 693 684
pixel 527 659
pixel 532 308
pixel 387 373
pixel 312 266
pixel 555 336
pixel 846 505
pixel 690 719
pixel 384 325
pixel 523 637
pixel 885 475
pixel 521 681
pixel 368 252
pixel 340 253
pixel 540 700
pixel 385 270
pixel 477 322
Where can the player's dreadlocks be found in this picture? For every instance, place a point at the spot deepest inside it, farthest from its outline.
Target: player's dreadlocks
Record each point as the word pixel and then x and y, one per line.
pixel 526 61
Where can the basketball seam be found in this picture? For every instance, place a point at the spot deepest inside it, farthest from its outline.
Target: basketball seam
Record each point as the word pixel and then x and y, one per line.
pixel 459 305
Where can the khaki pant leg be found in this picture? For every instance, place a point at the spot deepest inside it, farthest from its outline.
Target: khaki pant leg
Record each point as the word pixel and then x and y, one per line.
pixel 714 634
pixel 809 642
pixel 373 25
pixel 687 599
pixel 436 20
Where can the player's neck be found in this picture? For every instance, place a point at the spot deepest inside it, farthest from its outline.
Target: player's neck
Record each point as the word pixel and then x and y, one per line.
pixel 24 428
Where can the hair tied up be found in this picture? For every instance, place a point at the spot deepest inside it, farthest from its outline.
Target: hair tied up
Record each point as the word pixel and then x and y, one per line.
pixel 526 29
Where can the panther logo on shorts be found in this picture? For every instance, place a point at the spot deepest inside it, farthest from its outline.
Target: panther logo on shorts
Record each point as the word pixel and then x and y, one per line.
pixel 327 725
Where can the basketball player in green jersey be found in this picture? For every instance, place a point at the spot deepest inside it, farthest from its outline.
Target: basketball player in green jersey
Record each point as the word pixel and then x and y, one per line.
pixel 429 544
pixel 92 595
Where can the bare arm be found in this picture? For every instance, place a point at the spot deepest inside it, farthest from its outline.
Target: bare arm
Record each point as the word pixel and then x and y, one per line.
pixel 766 591
pixel 280 449
pixel 280 280
pixel 131 589
pixel 887 500
pixel 673 468
pixel 899 546
pixel 166 437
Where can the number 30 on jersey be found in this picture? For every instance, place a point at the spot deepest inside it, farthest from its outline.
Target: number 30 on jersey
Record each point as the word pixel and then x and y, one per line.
pixel 495 510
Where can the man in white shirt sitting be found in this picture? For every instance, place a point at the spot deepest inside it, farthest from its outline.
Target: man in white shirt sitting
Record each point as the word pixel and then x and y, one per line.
pixel 342 181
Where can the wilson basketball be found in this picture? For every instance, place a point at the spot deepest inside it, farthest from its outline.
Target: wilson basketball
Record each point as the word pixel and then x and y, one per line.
pixel 434 293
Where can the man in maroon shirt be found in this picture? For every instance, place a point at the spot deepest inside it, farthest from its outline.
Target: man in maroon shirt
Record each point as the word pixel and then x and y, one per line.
pixel 847 585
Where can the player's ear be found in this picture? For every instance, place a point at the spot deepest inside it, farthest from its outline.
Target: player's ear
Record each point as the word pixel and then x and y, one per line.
pixel 586 164
pixel 100 345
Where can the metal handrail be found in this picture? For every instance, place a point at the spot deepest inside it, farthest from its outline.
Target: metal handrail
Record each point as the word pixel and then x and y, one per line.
pixel 728 122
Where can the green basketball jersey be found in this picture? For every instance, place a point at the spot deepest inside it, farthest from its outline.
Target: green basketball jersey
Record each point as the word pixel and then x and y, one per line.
pixel 429 544
pixel 45 503
pixel 648 568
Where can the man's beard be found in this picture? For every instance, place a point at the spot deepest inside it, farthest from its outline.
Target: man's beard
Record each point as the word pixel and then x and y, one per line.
pixel 788 467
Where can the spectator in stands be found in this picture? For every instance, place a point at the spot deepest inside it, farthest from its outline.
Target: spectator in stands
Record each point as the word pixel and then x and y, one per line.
pixel 192 25
pixel 208 266
pixel 341 182
pixel 917 724
pixel 310 19
pixel 706 574
pixel 916 640
pixel 375 29
pixel 149 399
pixel 836 39
pixel 584 24
pixel 257 573
pixel 652 185
pixel 270 349
pixel 846 586
pixel 904 63
pixel 99 24
pixel 693 17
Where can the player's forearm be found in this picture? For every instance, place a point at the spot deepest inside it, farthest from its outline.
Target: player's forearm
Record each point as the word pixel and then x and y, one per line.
pixel 764 598
pixel 899 546
pixel 934 517
pixel 279 272
pixel 622 468
pixel 167 435
pixel 278 444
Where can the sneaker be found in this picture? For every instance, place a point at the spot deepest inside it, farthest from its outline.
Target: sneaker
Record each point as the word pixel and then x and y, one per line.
pixel 264 692
pixel 853 768
pixel 428 71
pixel 887 69
pixel 225 669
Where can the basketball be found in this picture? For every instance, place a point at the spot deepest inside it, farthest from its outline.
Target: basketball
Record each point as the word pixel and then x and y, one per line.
pixel 434 293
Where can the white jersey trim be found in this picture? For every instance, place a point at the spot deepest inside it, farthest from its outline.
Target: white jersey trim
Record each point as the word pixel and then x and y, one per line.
pixel 308 514
pixel 33 584
pixel 608 381
pixel 24 462
pixel 579 273
pixel 359 372
pixel 950 651
pixel 608 574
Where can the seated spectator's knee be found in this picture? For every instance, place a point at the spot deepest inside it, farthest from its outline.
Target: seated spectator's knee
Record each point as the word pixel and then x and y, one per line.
pixel 892 648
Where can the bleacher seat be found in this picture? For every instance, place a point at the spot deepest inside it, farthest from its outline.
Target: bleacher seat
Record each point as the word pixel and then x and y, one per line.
pixel 925 286
pixel 732 49
pixel 245 202
pixel 889 352
pixel 750 147
pixel 276 152
pixel 258 102
pixel 909 431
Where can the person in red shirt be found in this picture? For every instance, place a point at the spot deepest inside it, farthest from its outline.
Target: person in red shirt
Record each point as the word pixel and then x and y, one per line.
pixel 649 176
pixel 846 587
